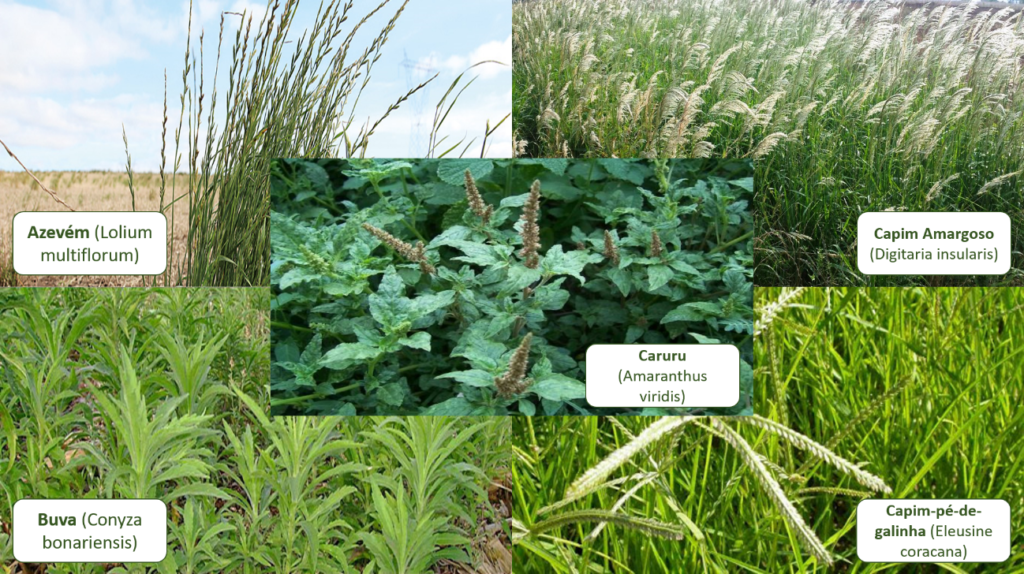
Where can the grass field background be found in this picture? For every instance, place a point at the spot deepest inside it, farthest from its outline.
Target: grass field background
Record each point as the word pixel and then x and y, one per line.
pixel 919 387
pixel 162 394
pixel 845 108
pixel 86 191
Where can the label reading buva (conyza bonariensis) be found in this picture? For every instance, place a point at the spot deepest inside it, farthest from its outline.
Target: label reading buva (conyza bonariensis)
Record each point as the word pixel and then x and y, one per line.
pixel 89 530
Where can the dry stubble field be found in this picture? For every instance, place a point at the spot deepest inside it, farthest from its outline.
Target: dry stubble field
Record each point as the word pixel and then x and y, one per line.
pixel 87 191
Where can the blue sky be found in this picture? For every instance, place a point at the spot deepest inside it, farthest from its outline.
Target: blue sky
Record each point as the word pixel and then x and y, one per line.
pixel 73 71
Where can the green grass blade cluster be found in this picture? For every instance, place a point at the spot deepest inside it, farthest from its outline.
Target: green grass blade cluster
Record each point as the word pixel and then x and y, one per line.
pixel 871 392
pixel 287 95
pixel 161 393
pixel 845 106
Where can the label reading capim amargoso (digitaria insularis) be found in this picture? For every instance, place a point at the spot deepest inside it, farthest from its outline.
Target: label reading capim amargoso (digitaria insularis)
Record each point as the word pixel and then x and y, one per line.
pixel 89 530
pixel 663 375
pixel 933 530
pixel 90 243
pixel 932 243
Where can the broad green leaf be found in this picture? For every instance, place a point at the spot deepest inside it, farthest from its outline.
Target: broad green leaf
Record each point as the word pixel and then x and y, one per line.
pixel 483 353
pixel 475 253
pixel 658 275
pixel 312 353
pixel 388 305
pixel 746 183
pixel 684 267
pixel 514 200
pixel 453 170
pixel 559 188
pixel 392 394
pixel 624 169
pixel 457 407
pixel 557 262
pixel 341 356
pixel 551 297
pixel 473 377
pixel 622 279
pixel 555 166
pixel 316 175
pixel 735 281
pixel 426 304
pixel 520 276
pixel 555 387
pixel 299 275
pixel 454 233
pixel 704 340
pixel 696 311
pixel 419 340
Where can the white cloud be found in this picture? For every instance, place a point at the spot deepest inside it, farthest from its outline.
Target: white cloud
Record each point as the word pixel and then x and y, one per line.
pixel 255 9
pixel 47 134
pixel 206 14
pixel 467 121
pixel 54 51
pixel 68 47
pixel 499 51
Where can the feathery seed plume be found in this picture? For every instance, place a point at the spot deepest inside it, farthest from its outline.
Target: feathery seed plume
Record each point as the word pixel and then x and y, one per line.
pixel 414 254
pixel 476 201
pixel 513 382
pixel 530 231
pixel 610 250
pixel 997 182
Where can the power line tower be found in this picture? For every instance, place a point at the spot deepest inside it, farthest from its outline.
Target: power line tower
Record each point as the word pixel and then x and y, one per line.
pixel 415 74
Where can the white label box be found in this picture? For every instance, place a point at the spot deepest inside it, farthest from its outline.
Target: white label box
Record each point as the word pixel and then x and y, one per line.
pixel 90 243
pixel 933 530
pixel 933 243
pixel 52 530
pixel 663 375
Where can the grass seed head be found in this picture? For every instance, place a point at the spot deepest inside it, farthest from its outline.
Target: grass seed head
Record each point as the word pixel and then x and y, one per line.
pixel 610 250
pixel 656 246
pixel 414 254
pixel 530 231
pixel 513 382
pixel 476 201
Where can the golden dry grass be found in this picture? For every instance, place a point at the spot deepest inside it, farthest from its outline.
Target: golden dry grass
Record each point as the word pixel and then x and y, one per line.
pixel 87 191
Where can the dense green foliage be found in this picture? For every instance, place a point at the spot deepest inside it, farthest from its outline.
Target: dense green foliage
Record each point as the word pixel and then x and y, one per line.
pixel 624 251
pixel 135 393
pixel 918 387
pixel 846 107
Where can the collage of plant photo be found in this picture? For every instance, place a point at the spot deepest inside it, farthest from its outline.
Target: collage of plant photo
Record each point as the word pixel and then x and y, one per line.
pixel 405 238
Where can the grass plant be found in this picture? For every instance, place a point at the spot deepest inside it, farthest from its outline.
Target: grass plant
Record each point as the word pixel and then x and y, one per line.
pixel 288 94
pixel 846 107
pixel 876 392
pixel 161 393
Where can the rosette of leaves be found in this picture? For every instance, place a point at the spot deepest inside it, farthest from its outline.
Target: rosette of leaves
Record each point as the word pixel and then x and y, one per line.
pixel 609 251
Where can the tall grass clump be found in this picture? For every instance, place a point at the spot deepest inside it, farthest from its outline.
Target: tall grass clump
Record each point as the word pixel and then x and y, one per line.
pixel 862 393
pixel 847 107
pixel 287 95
